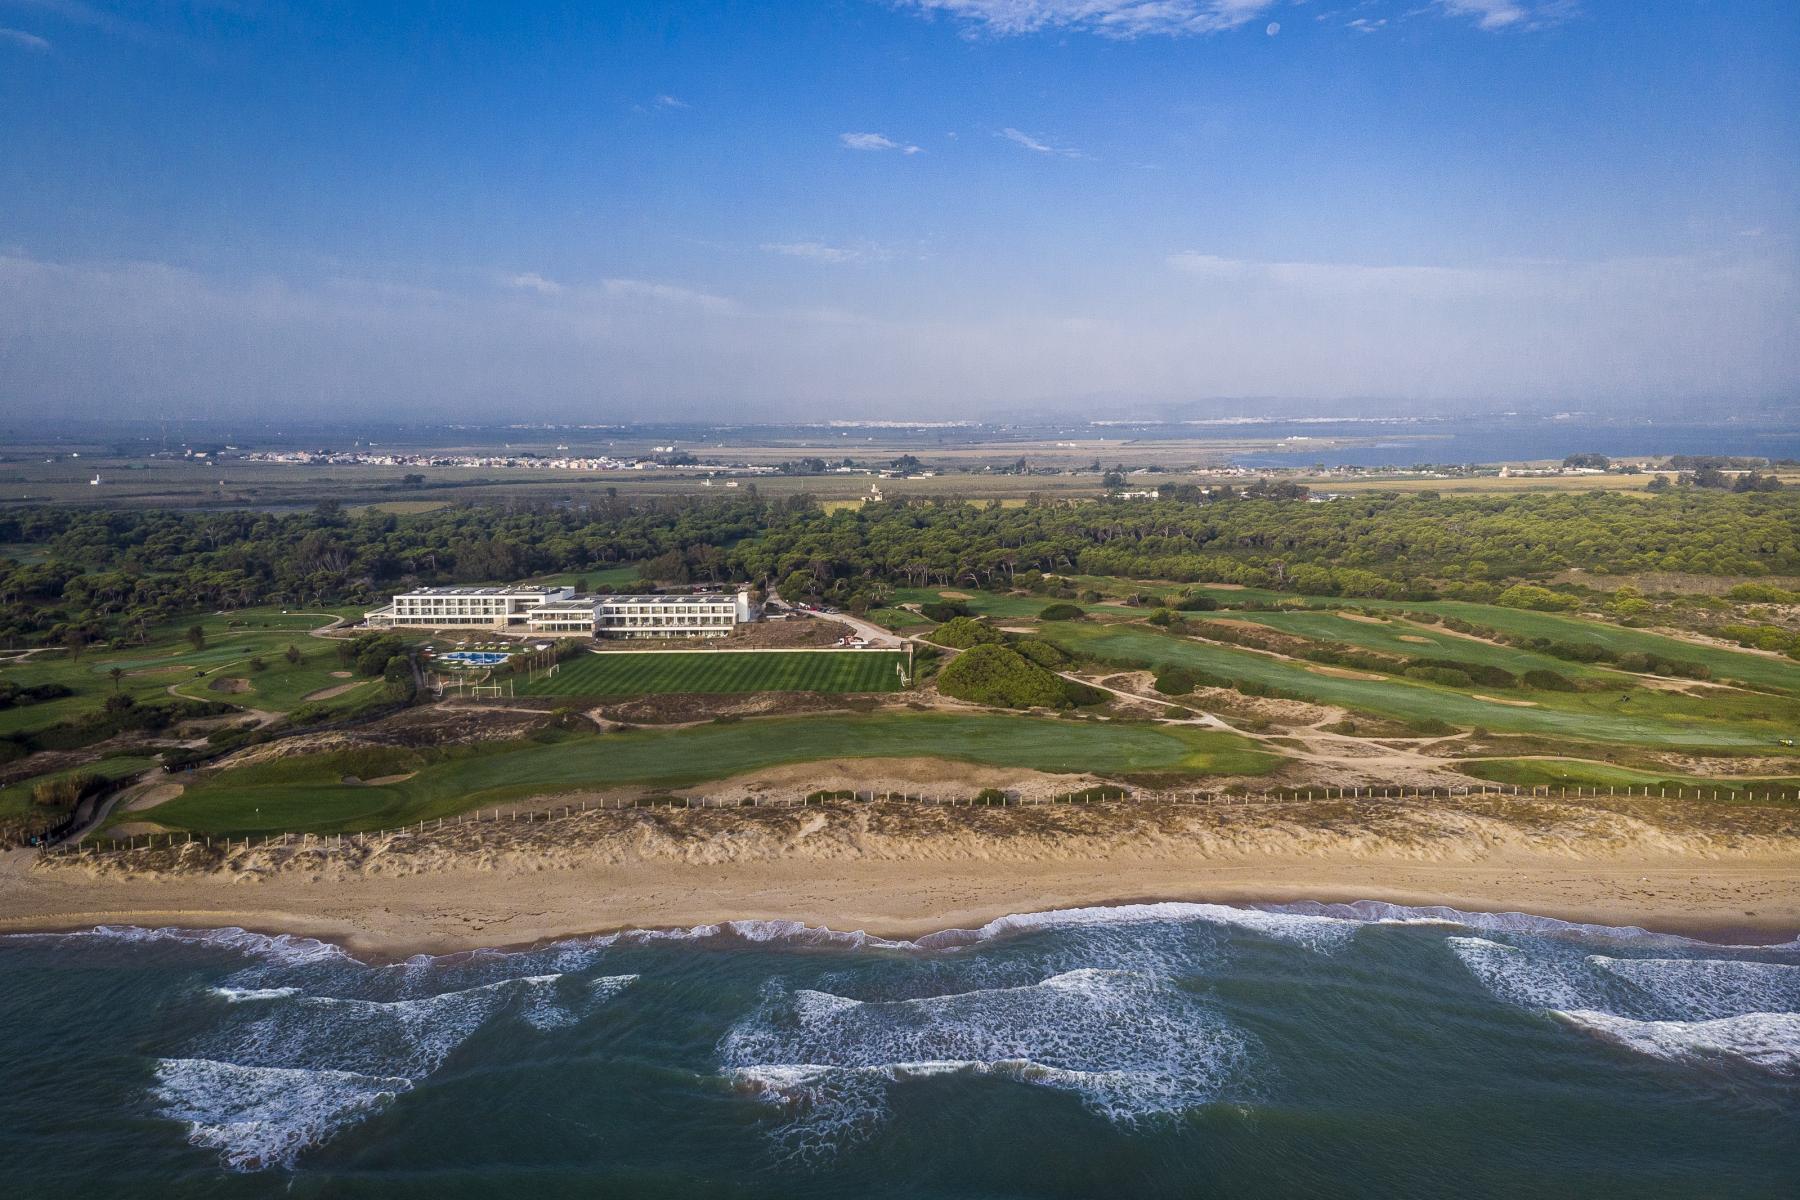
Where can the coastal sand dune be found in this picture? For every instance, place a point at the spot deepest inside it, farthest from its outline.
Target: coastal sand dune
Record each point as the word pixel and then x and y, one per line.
pixel 904 868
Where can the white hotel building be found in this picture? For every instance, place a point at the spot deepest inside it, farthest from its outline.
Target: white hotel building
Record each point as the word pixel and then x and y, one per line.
pixel 547 610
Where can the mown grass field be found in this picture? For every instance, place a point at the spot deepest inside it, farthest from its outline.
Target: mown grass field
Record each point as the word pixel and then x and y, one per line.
pixel 624 673
pixel 308 793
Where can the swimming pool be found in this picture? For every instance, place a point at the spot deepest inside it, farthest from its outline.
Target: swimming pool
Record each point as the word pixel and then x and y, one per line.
pixel 474 658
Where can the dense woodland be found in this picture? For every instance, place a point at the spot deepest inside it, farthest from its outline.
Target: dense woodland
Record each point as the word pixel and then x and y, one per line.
pixel 79 576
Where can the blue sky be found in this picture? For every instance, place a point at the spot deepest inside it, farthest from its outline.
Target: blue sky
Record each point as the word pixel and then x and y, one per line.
pixel 885 208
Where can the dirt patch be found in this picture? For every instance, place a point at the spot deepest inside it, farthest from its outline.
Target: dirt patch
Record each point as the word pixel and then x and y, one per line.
pixel 231 687
pixel 1415 638
pixel 1341 672
pixel 951 595
pixel 131 829
pixel 332 692
pixel 909 776
pixel 160 793
pixel 1499 700
pixel 795 632
pixel 340 675
pixel 684 708
pixel 1363 618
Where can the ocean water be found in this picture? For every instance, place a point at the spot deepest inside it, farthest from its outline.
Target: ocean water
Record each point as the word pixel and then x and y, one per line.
pixel 1149 1050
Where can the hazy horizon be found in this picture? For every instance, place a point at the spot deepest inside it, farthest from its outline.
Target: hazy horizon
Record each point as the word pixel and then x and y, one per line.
pixel 890 209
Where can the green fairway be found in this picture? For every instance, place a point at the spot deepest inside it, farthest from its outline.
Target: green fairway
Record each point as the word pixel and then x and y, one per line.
pixel 1408 639
pixel 1723 719
pixel 307 794
pixel 625 673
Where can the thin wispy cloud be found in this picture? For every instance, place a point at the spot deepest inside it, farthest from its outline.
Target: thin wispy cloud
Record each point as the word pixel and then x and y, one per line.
pixel 1122 19
pixel 823 252
pixel 667 101
pixel 665 293
pixel 531 281
pixel 23 40
pixel 1037 146
pixel 1501 15
pixel 877 141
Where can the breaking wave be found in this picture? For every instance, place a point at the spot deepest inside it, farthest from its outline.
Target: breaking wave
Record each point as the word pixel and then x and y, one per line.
pixel 284 1070
pixel 1130 1046
pixel 1767 1040
pixel 1675 1009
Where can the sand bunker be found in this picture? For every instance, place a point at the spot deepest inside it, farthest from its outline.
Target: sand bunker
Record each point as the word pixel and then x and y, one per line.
pixel 332 692
pixel 1498 700
pixel 162 793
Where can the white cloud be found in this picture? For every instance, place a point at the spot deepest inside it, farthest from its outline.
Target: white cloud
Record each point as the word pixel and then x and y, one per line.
pixel 1037 146
pixel 1497 15
pixel 1123 19
pixel 531 281
pixel 667 101
pixel 876 141
pixel 665 293
pixel 821 252
pixel 26 41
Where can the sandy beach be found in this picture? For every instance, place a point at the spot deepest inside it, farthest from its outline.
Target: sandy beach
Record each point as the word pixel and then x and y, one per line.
pixel 900 870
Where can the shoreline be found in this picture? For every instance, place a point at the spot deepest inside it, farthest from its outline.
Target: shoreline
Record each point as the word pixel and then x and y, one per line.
pixel 896 870
pixel 385 923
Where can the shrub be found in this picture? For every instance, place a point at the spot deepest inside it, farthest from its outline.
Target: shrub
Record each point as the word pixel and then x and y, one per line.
pixel 1548 681
pixel 1446 676
pixel 1001 676
pixel 962 633
pixel 944 610
pixel 1042 653
pixel 1196 604
pixel 1527 595
pixel 1062 612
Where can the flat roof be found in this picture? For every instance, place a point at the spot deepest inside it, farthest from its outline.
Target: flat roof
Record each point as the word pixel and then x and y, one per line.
pixel 703 598
pixel 528 590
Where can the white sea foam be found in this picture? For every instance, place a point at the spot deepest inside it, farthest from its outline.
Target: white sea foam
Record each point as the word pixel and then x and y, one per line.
pixel 281 947
pixel 546 1009
pixel 1709 988
pixel 1525 978
pixel 284 1070
pixel 1129 1045
pixel 1767 1040
pixel 1314 932
pixel 237 995
pixel 261 1117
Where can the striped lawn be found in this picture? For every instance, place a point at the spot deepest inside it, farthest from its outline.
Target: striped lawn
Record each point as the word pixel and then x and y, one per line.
pixel 623 673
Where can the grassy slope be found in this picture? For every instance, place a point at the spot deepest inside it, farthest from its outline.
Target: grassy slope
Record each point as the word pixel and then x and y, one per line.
pixel 301 795
pixel 622 673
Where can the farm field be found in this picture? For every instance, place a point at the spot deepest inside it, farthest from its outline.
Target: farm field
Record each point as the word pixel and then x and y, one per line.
pixel 625 673
pixel 308 793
